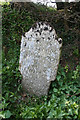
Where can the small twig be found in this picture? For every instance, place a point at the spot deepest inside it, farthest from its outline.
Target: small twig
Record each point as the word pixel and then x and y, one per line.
pixel 73 95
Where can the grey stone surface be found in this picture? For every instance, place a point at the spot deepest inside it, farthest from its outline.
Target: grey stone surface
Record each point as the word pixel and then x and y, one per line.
pixel 39 58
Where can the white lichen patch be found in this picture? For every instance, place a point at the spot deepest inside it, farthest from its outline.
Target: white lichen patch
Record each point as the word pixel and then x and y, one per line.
pixel 48 72
pixel 39 58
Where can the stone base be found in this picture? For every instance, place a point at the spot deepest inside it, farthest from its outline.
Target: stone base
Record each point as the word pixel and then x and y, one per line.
pixel 37 88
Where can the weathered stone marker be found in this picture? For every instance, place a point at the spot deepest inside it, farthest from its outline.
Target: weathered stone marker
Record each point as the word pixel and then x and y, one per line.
pixel 39 58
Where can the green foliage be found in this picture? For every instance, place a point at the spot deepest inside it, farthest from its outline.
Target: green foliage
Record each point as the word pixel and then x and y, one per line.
pixel 4 3
pixel 63 101
pixel 76 52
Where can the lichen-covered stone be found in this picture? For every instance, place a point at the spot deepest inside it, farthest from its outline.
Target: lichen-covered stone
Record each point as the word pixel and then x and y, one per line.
pixel 39 58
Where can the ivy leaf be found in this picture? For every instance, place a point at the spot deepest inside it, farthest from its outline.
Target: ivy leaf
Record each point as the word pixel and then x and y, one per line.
pixel 8 114
pixel 61 83
pixel 55 90
pixel 63 73
pixel 2 115
pixel 58 77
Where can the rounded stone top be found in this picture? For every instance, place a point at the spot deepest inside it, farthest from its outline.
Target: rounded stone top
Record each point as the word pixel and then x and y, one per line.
pixel 43 27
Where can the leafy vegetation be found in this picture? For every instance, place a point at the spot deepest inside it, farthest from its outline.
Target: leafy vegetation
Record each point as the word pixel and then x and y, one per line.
pixel 63 100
